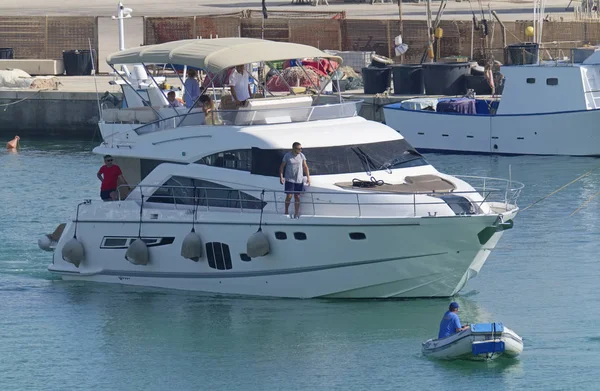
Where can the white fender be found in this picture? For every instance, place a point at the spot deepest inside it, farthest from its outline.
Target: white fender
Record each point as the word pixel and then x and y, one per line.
pixel 73 252
pixel 191 247
pixel 138 253
pixel 45 243
pixel 258 245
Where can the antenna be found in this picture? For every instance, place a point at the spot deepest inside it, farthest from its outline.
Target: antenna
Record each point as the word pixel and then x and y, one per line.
pixel 122 13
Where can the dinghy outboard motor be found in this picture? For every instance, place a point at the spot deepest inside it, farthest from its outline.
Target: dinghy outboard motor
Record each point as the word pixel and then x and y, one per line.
pixel 73 251
pixel 191 247
pixel 138 253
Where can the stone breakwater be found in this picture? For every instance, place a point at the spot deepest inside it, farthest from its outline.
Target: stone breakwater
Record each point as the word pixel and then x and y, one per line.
pixel 48 114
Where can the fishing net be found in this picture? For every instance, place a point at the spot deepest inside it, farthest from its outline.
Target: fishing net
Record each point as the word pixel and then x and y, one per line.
pixel 295 77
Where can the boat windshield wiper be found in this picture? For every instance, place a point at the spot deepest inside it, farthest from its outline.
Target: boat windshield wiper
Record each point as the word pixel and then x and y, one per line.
pixel 407 156
pixel 365 160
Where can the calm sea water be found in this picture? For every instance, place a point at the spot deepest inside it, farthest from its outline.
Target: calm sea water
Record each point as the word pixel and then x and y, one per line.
pixel 542 281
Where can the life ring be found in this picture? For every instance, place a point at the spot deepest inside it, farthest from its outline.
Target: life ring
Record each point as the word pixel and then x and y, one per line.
pixel 380 61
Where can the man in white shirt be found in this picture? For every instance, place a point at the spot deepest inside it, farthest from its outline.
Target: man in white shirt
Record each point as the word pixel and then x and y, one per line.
pixel 240 85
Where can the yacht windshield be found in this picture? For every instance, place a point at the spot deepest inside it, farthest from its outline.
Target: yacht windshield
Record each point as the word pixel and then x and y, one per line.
pixel 341 159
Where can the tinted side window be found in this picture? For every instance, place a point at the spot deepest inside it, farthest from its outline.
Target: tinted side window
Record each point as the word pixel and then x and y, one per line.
pixel 343 158
pixel 239 159
pixel 187 191
pixel 177 190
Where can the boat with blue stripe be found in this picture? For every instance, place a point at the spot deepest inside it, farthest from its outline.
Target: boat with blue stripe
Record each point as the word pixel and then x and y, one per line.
pixel 481 341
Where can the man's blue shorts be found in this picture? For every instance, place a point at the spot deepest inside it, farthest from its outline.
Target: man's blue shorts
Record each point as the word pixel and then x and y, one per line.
pixel 293 188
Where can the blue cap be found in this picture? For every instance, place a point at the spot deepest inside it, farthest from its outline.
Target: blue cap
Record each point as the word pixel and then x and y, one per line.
pixel 453 305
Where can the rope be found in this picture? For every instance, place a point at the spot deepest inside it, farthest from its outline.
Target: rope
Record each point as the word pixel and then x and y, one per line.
pixel 195 216
pixel 5 105
pixel 585 203
pixel 562 187
pixel 262 200
pixel 371 183
pixel 141 210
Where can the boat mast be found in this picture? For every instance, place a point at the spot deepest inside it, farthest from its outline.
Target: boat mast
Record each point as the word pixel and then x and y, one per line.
pixel 122 13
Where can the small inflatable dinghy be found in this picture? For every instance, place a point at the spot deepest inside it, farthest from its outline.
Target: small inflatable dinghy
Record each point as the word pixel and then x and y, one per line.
pixel 481 341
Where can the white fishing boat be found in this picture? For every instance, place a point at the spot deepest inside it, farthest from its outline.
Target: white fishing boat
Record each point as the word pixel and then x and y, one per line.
pixel 207 210
pixel 481 341
pixel 546 108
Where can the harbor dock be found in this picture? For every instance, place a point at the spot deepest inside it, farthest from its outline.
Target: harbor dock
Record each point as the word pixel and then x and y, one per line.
pixel 70 111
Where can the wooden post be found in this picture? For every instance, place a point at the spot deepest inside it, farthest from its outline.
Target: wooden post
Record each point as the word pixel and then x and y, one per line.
pixel 401 28
pixel 389 37
pixel 46 38
pixel 472 37
pixel 502 27
pixel 429 33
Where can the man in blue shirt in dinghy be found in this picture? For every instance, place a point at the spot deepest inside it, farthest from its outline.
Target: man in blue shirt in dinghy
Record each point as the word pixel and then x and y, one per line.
pixel 450 323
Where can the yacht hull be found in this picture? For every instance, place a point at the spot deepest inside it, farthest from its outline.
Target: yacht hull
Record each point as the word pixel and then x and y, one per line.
pixel 572 133
pixel 398 258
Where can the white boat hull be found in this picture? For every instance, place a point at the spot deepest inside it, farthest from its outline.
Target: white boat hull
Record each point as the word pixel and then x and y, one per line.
pixel 573 133
pixel 460 345
pixel 401 257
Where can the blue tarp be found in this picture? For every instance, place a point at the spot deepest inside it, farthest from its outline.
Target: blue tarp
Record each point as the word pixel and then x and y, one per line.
pixel 456 105
pixel 450 105
pixel 483 106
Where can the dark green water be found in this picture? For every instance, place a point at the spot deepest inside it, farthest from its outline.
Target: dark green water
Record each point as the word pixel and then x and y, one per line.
pixel 541 281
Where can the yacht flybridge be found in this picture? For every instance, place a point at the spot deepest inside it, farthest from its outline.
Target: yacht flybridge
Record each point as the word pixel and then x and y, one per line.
pixel 207 213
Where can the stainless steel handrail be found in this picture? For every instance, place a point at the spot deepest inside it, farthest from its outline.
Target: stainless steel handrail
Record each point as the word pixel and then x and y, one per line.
pixel 230 117
pixel 501 194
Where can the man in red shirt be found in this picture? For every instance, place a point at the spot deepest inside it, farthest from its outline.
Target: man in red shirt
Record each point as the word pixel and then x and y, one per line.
pixel 110 174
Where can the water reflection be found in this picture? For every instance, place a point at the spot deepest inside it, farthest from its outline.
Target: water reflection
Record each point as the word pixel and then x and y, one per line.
pixel 133 313
pixel 501 365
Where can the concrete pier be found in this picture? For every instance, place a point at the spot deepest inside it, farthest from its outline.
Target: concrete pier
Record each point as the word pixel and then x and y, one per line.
pixel 68 111
pixel 48 114
pixel 71 110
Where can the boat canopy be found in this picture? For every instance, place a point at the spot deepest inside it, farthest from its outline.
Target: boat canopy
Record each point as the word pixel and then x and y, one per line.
pixel 217 54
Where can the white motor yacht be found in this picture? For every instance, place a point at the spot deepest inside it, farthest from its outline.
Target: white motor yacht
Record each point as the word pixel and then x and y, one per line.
pixel 207 210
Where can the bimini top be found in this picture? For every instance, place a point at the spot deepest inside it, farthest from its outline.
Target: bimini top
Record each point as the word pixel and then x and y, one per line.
pixel 217 54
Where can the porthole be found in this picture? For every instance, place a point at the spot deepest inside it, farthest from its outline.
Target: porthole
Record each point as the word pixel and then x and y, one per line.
pixel 357 236
pixel 280 235
pixel 552 81
pixel 299 236
pixel 531 80
pixel 245 257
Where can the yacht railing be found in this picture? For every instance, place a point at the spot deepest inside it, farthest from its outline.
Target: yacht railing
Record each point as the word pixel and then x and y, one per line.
pixel 243 117
pixel 359 203
pixel 495 189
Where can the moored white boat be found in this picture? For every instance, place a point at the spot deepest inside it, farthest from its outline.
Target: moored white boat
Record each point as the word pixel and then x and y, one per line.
pixel 481 341
pixel 546 109
pixel 377 221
